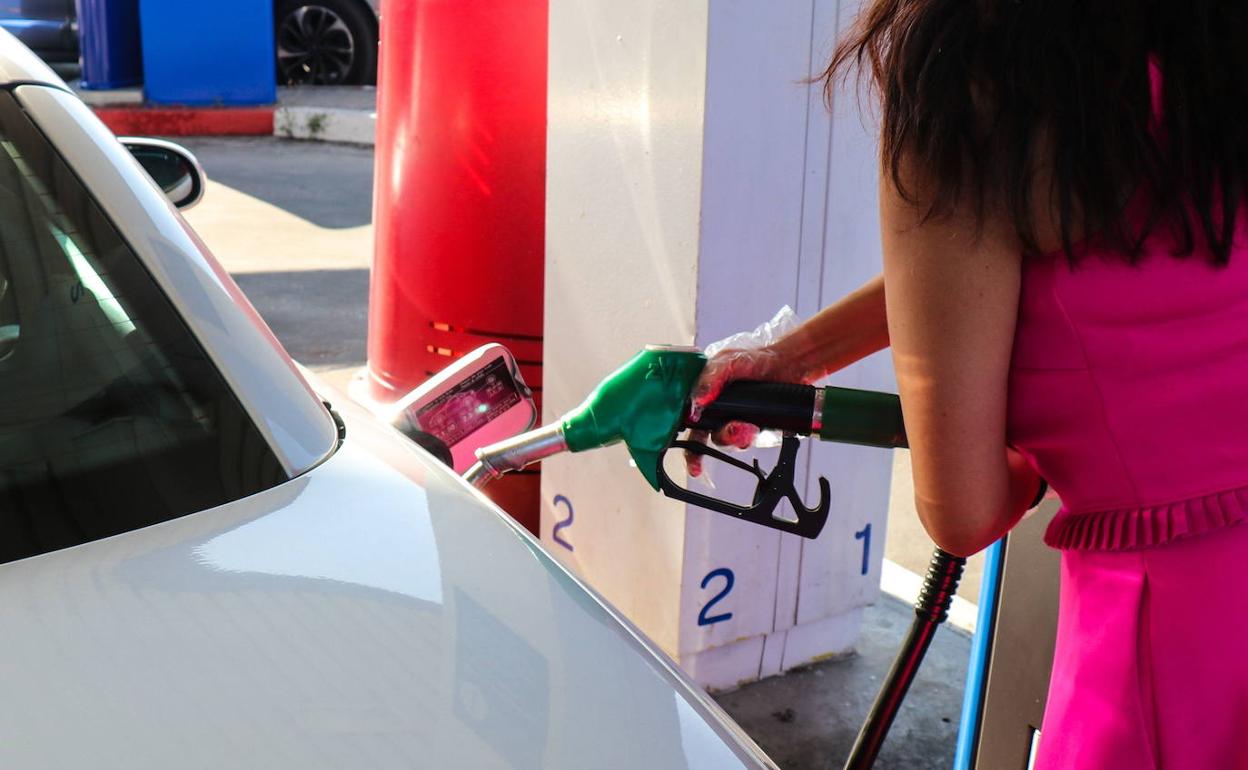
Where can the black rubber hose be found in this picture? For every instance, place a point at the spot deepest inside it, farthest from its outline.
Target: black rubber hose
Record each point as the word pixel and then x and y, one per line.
pixel 932 608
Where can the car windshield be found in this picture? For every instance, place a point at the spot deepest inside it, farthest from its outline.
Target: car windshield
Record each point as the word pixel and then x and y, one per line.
pixel 112 417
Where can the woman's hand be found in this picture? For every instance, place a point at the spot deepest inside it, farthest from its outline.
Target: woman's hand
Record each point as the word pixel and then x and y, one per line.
pixel 768 363
pixel 847 330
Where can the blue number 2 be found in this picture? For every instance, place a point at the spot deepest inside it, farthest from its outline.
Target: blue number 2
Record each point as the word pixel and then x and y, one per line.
pixel 727 575
pixel 864 535
pixel 563 523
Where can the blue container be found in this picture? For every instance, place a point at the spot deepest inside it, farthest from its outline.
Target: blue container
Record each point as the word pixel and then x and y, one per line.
pixel 108 37
pixel 208 53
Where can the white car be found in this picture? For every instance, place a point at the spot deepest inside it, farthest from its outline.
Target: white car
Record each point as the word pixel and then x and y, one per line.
pixel 206 567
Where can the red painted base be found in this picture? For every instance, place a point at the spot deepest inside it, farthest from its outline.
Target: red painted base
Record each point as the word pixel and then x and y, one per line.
pixel 188 121
pixel 519 494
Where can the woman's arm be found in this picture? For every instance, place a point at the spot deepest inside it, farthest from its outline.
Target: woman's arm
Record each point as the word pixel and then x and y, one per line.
pixel 952 303
pixel 850 329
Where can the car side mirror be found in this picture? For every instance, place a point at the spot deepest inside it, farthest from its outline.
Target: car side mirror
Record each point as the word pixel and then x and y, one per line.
pixel 174 169
pixel 478 400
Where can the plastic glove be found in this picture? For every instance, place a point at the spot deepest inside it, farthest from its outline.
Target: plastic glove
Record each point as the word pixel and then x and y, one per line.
pixel 764 363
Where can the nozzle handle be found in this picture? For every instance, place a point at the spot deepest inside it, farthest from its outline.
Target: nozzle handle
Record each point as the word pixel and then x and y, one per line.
pixel 783 406
pixel 844 415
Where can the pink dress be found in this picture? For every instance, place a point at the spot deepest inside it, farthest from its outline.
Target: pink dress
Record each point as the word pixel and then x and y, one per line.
pixel 1129 394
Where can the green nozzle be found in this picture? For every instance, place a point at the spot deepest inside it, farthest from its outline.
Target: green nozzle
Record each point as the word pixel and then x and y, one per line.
pixel 642 404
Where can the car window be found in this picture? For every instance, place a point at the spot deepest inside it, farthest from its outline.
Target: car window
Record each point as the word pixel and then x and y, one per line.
pixel 112 417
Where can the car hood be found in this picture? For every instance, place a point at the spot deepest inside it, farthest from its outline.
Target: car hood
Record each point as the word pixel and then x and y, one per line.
pixel 374 612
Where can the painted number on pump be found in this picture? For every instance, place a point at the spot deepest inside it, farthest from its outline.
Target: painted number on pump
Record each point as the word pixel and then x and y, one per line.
pixel 703 618
pixel 563 523
pixel 864 535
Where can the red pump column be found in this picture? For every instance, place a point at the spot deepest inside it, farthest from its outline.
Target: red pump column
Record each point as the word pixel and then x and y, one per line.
pixel 459 195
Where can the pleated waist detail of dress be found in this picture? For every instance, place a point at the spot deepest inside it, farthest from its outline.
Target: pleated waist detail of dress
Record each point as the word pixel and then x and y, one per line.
pixel 1146 526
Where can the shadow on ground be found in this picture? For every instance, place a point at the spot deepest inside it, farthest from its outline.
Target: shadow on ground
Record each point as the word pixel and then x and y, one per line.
pixel 808 719
pixel 328 187
pixel 320 316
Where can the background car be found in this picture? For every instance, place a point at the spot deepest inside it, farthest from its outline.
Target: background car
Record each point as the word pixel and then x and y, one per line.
pixel 47 27
pixel 326 42
pixel 321 42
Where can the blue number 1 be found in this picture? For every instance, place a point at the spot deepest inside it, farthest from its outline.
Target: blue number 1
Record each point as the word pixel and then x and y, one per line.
pixel 727 575
pixel 865 536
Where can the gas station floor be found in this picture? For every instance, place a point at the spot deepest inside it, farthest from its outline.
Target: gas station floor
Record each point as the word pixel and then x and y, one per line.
pixel 291 221
pixel 807 719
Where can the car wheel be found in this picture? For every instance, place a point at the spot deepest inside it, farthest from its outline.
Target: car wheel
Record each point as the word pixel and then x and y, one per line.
pixel 325 42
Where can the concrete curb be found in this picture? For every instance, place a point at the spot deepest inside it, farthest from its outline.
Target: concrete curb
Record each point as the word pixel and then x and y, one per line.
pixel 116 97
pixel 302 112
pixel 184 121
pixel 326 124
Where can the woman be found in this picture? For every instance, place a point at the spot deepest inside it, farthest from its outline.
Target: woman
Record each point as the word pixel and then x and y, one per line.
pixel 1065 289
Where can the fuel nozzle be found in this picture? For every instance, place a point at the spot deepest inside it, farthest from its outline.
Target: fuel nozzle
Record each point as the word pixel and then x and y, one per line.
pixel 643 404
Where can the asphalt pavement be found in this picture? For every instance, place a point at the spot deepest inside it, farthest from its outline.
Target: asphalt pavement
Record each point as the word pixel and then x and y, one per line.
pixel 291 221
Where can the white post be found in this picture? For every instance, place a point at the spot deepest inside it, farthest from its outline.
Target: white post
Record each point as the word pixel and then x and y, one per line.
pixel 695 185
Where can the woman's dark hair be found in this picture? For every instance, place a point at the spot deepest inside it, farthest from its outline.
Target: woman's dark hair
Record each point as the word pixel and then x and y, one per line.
pixel 976 93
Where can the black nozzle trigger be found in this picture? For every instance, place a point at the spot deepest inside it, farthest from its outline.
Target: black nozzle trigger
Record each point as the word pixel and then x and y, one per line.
pixel 772 487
